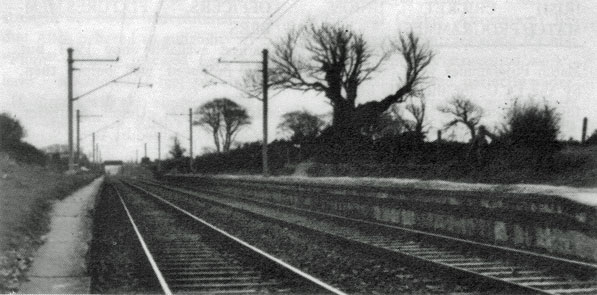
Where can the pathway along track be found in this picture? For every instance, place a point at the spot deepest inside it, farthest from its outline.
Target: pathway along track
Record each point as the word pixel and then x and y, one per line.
pixel 189 255
pixel 500 266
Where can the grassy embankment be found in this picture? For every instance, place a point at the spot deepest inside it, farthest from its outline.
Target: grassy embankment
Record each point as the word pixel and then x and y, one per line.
pixel 26 196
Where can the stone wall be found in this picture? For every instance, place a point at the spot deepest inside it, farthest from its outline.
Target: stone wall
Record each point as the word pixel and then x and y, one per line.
pixel 542 223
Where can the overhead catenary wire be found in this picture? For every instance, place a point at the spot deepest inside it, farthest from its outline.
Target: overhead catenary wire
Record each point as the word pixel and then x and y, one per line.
pixel 147 50
pixel 148 45
pixel 223 81
pixel 279 7
pixel 263 31
pixel 156 18
pixel 248 36
pixel 168 129
pixel 352 12
pixel 273 22
pixel 121 38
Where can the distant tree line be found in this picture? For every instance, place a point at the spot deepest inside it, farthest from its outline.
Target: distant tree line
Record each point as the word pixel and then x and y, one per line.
pixel 388 133
pixel 527 138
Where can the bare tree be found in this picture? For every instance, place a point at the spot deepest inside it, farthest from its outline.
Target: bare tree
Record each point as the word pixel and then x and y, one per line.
pixel 335 61
pixel 464 111
pixel 416 110
pixel 223 118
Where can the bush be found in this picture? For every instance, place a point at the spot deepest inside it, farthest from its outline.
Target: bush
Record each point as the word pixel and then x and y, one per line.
pixel 11 131
pixel 25 153
pixel 530 133
pixel 592 140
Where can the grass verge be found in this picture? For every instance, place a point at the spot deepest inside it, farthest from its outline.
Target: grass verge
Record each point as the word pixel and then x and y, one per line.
pixel 27 193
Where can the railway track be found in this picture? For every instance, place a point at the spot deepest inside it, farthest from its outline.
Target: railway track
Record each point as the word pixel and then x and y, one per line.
pixel 189 255
pixel 501 266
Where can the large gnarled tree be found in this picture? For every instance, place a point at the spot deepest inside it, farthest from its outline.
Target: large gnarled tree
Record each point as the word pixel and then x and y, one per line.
pixel 335 61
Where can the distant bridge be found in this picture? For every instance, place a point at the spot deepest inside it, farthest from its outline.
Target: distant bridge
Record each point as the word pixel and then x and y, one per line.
pixel 113 167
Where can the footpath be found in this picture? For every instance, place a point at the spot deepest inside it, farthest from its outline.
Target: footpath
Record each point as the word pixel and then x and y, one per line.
pixel 60 265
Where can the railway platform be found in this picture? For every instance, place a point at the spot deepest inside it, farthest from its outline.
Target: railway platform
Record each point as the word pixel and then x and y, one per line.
pixel 558 221
pixel 60 265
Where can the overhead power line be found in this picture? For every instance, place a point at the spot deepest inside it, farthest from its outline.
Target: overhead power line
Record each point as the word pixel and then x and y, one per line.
pixel 146 51
pixel 168 129
pixel 263 31
pixel 254 31
pixel 358 9
pixel 122 29
pixel 156 18
pixel 279 7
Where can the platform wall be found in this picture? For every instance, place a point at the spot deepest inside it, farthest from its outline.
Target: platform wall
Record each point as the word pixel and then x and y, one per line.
pixel 541 223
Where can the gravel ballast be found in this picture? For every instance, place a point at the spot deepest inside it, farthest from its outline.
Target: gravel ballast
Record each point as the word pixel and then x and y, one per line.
pixel 117 263
pixel 350 270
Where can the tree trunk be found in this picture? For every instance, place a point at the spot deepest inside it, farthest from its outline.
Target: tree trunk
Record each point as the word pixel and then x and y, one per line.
pixel 471 128
pixel 227 142
pixel 343 120
pixel 216 141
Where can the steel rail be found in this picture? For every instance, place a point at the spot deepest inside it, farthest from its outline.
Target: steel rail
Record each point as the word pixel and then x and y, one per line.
pixel 260 252
pixel 582 264
pixel 154 266
pixel 521 285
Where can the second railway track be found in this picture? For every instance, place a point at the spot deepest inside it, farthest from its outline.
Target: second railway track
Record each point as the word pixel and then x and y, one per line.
pixel 500 269
pixel 189 255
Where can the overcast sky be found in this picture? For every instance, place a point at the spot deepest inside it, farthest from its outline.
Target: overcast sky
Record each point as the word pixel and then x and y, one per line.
pixel 489 51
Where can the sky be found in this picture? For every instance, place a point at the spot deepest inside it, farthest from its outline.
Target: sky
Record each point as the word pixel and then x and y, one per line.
pixel 488 51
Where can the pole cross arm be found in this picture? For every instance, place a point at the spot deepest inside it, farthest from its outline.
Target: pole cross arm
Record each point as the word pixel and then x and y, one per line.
pixel 238 61
pixel 105 84
pixel 98 59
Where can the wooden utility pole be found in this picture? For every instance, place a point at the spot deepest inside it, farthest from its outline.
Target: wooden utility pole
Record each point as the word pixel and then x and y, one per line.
pixel 265 86
pixel 78 154
pixel 71 162
pixel 191 139
pixel 93 145
pixel 159 151
pixel 71 99
pixel 584 130
pixel 78 138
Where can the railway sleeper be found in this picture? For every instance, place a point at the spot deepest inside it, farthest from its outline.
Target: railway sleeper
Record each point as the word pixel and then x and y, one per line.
pixel 216 273
pixel 575 291
pixel 219 286
pixel 234 279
